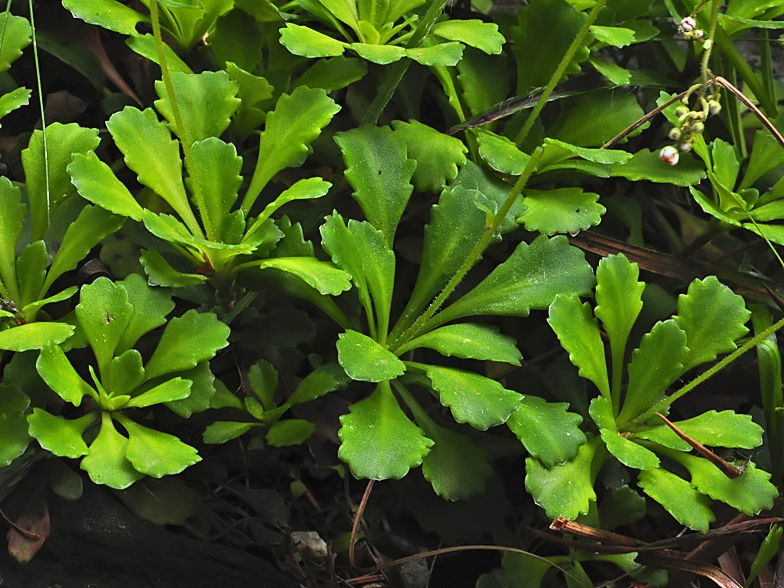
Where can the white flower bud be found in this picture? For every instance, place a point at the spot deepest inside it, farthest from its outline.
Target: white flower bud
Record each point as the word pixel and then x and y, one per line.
pixel 697 128
pixel 688 24
pixel 674 134
pixel 685 146
pixel 669 155
pixel 698 34
pixel 714 107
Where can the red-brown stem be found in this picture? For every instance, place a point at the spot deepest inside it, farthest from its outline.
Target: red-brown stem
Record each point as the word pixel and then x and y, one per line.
pixel 727 468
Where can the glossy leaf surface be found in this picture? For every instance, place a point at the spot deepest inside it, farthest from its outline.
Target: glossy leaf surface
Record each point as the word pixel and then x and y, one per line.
pixel 683 502
pixel 380 172
pixel 530 278
pixel 565 490
pixel 186 341
pixel 364 359
pixel 548 432
pixel 713 317
pixel 468 341
pixel 472 398
pixel 578 332
pixel 378 441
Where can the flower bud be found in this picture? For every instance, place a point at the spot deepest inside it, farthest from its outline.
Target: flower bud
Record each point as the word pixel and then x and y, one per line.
pixel 697 128
pixel 675 134
pixel 681 111
pixel 698 34
pixel 685 146
pixel 688 24
pixel 669 155
pixel 714 107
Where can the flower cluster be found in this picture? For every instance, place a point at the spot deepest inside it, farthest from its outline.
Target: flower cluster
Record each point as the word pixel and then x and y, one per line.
pixel 687 28
pixel 690 124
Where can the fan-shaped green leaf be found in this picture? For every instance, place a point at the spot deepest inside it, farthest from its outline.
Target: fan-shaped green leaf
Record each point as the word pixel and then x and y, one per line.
pixel 154 453
pixel 125 372
pixel 58 373
pixel 654 366
pixel 151 152
pixel 380 173
pixel 473 32
pixel 62 437
pixel 548 432
pixel 206 101
pixel 646 165
pixel 456 225
pixel 715 429
pixel 713 317
pixel 150 307
pixel 306 42
pixel 749 493
pixel 501 153
pixel 107 14
pixel 438 156
pixel 578 332
pixel 565 490
pixel 469 341
pixel 186 341
pixel 222 431
pixel 364 359
pixel 332 74
pixel 218 174
pixel 10 228
pixel 321 275
pixel 455 467
pixel 161 273
pixel 618 300
pixel 103 313
pixel 144 45
pixel 17 34
pixel 95 181
pixel 34 336
pixel 563 210
pixel 529 278
pixel 378 441
pixel 295 122
pixel 14 99
pixel 442 54
pixel 91 227
pixel 676 495
pixel 289 432
pixel 46 195
pixel 14 436
pixel 536 35
pixel 169 391
pixel 106 463
pixel 472 398
pixel 380 54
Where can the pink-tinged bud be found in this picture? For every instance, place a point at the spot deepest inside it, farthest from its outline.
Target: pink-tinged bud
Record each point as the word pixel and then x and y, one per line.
pixel 669 155
pixel 675 134
pixel 688 24
pixel 714 107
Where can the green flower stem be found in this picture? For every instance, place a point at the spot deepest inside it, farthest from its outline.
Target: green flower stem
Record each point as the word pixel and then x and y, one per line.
pixel 420 325
pixel 708 46
pixel 565 61
pixel 751 343
pixel 732 54
pixel 191 221
pixel 399 68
